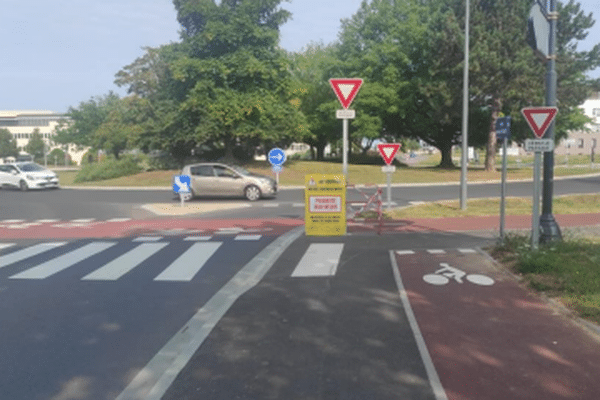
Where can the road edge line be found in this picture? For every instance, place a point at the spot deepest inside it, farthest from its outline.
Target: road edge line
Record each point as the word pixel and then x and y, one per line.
pixel 434 379
pixel 152 381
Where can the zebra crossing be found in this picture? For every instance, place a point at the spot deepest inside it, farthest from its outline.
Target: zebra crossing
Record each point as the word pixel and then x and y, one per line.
pixel 192 254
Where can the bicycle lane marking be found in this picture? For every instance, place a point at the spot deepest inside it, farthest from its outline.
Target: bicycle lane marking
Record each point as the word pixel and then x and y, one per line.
pixel 488 337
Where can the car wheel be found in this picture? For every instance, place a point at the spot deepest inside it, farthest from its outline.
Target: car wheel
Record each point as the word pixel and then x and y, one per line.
pixel 23 186
pixel 252 193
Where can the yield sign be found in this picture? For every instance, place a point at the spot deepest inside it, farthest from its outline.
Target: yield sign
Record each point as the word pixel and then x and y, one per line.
pixel 346 89
pixel 539 118
pixel 388 151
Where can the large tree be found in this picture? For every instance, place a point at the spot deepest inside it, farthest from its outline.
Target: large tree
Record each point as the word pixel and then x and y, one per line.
pixel 225 84
pixel 311 70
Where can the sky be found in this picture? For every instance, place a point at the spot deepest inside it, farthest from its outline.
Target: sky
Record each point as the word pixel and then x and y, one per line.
pixel 57 54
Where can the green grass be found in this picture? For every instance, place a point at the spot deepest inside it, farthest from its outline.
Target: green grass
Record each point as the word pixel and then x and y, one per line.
pixel 567 270
pixel 574 204
pixel 294 172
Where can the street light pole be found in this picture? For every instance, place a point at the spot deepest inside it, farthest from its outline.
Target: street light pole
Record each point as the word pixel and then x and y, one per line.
pixel 549 228
pixel 465 117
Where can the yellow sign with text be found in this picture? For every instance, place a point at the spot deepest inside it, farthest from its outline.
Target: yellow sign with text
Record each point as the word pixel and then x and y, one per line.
pixel 325 205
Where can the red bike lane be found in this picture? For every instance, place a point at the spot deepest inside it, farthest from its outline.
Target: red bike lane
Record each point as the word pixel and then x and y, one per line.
pixel 489 337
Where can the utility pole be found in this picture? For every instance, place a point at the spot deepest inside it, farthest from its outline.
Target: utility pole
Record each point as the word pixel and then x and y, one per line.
pixel 465 118
pixel 549 227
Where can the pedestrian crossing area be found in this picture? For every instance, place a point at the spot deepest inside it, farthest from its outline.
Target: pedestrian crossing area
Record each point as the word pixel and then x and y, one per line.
pixel 113 259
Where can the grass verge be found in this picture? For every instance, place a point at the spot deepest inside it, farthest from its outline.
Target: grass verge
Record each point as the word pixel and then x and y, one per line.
pixel 567 271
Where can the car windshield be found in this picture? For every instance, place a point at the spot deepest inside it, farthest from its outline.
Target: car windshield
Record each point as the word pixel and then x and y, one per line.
pixel 240 170
pixel 31 167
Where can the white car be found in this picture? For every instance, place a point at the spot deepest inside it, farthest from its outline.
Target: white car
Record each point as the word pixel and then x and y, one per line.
pixel 27 175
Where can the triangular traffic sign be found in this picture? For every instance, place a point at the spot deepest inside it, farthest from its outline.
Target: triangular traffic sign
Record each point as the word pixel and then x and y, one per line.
pixel 539 118
pixel 345 89
pixel 388 151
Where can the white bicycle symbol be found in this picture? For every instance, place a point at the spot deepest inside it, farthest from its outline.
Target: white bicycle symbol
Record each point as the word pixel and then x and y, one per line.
pixel 443 275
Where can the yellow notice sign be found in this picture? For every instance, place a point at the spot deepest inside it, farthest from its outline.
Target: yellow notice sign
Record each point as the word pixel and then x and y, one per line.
pixel 325 205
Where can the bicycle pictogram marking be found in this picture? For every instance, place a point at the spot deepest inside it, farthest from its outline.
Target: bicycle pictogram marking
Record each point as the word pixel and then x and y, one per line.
pixel 447 273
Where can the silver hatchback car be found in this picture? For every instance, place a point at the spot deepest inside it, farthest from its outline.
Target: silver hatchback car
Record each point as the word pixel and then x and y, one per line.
pixel 215 179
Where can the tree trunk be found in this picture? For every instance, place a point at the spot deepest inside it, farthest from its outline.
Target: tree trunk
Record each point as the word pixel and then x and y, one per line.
pixel 446 150
pixel 490 150
pixel 229 144
pixel 320 148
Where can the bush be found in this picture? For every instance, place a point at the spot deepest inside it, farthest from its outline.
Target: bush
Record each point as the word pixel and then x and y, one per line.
pixel 109 169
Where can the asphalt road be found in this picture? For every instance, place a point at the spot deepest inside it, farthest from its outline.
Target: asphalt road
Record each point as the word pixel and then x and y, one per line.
pixel 68 204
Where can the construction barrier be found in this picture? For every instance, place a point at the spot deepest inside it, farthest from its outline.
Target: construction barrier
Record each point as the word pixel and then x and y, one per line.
pixel 368 210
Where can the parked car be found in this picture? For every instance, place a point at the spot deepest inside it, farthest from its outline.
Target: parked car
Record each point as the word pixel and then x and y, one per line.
pixel 27 175
pixel 215 179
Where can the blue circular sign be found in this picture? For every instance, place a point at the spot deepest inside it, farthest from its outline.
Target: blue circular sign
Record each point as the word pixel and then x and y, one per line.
pixel 276 156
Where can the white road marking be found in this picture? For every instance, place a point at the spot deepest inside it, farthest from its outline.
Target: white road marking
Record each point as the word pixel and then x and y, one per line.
pixel 124 263
pixel 271 205
pixel 434 379
pixel 118 220
pixel 63 262
pixel 297 204
pixel 248 237
pixel 404 252
pixel 436 251
pixel 154 379
pixel 320 259
pixel 46 221
pixel 12 221
pixel 187 265
pixel 198 238
pixel 27 252
pixel 82 220
pixel 467 251
pixel 147 239
pixel 6 245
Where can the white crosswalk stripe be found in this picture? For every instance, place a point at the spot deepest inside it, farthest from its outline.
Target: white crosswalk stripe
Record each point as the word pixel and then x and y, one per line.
pixel 184 268
pixel 23 254
pixel 6 245
pixel 63 262
pixel 320 259
pixel 124 263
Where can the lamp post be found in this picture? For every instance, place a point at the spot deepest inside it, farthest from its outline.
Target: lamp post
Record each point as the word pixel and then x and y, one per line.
pixel 549 227
pixel 465 117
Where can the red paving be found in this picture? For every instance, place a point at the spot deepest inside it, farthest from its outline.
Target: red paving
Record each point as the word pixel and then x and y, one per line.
pixel 99 229
pixel 498 341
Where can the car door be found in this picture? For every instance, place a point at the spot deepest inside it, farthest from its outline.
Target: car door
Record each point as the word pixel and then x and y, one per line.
pixel 229 182
pixel 10 175
pixel 203 180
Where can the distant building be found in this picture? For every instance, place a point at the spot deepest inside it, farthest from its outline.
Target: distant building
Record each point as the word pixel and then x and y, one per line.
pixel 21 124
pixel 582 142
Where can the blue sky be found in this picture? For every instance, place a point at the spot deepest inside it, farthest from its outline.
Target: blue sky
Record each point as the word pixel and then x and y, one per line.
pixel 56 54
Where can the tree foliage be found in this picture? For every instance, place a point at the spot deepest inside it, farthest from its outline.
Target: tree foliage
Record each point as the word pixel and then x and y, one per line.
pixel 8 144
pixel 36 145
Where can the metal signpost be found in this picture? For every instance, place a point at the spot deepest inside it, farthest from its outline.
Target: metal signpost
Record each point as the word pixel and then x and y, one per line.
pixel 276 157
pixel 388 152
pixel 503 132
pixel 181 186
pixel 539 119
pixel 345 89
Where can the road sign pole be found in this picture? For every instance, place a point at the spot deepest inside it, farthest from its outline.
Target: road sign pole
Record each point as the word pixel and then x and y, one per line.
pixel 535 222
pixel 345 148
pixel 389 191
pixel 549 226
pixel 503 191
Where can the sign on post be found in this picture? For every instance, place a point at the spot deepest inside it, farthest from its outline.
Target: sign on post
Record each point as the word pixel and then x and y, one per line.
pixel 276 157
pixel 325 205
pixel 181 186
pixel 539 120
pixel 388 152
pixel 345 89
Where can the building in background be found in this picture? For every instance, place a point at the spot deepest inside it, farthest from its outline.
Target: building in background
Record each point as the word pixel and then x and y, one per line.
pixel 22 124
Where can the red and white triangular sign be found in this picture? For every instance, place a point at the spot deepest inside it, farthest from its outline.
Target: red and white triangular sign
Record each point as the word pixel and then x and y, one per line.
pixel 345 89
pixel 539 118
pixel 388 151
